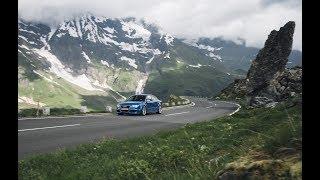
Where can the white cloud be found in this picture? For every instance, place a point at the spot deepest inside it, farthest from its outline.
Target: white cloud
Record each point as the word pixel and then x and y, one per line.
pixel 252 20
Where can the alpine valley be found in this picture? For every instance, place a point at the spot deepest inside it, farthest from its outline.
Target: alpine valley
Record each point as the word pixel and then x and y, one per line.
pixel 97 61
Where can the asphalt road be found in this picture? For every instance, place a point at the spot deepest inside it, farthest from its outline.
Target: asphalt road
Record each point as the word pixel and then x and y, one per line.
pixel 42 135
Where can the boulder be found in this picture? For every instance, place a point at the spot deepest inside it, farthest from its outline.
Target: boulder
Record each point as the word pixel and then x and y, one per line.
pixel 262 169
pixel 268 80
pixel 284 152
pixel 46 111
pixel 271 59
pixel 83 109
pixel 260 101
pixel 108 109
pixel 271 105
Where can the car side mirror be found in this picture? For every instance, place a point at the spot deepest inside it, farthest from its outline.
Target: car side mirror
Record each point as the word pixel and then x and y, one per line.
pixel 148 100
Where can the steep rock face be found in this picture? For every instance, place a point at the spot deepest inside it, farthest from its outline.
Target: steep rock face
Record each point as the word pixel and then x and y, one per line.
pixel 271 59
pixel 268 79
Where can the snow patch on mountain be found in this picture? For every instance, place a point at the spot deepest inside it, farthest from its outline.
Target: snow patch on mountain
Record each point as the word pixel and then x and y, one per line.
pixel 24 47
pixel 129 47
pixel 47 79
pixel 104 63
pixel 70 28
pixel 196 66
pixel 156 52
pixel 109 30
pixel 167 56
pixel 59 35
pixel 27 100
pixel 106 86
pixel 31 32
pixel 150 60
pixel 169 39
pixel 86 56
pixel 131 62
pixel 141 84
pixel 22 37
pixel 210 49
pixel 78 28
pixel 59 69
pixel 215 56
pixel 135 30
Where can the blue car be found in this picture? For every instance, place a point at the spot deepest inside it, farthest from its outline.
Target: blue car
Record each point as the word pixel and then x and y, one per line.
pixel 141 104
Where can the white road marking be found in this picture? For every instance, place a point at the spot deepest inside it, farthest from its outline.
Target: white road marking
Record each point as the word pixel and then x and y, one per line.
pixel 175 107
pixel 239 106
pixel 209 107
pixel 62 117
pixel 236 109
pixel 177 113
pixel 69 125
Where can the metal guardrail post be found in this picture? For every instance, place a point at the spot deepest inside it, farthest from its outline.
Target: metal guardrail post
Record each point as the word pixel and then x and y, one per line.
pixel 83 109
pixel 46 111
pixel 108 109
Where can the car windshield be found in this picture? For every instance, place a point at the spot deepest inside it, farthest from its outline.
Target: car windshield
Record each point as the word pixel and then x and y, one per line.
pixel 137 98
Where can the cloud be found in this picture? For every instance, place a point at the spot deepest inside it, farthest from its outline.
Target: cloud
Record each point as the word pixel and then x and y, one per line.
pixel 251 20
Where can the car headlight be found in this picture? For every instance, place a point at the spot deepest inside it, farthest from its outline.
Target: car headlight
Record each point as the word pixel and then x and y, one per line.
pixel 135 106
pixel 118 106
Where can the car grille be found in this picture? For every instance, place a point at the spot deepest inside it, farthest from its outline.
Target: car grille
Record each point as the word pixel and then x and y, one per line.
pixel 125 106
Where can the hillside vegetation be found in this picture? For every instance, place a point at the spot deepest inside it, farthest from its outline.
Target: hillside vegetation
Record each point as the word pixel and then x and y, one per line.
pixel 188 81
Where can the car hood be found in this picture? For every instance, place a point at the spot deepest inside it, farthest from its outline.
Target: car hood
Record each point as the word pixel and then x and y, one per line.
pixel 131 103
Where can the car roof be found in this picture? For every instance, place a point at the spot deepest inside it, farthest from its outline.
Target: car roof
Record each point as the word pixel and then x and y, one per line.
pixel 142 94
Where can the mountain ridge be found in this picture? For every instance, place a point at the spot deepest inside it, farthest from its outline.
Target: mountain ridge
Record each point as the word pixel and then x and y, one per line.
pixel 111 56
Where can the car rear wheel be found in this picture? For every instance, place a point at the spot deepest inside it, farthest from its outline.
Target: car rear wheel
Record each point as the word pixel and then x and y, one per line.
pixel 144 111
pixel 159 110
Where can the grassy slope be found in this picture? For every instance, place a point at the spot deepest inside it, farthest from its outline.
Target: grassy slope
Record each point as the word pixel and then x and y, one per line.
pixel 61 95
pixel 168 76
pixel 194 151
pixel 203 81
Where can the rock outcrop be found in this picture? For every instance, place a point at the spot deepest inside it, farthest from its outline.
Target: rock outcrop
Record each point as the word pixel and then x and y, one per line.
pixel 271 59
pixel 284 163
pixel 268 80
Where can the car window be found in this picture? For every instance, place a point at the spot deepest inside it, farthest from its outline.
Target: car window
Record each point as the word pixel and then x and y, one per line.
pixel 137 98
pixel 155 98
pixel 150 97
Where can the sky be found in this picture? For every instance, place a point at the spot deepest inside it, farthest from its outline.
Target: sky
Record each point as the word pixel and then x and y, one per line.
pixel 251 20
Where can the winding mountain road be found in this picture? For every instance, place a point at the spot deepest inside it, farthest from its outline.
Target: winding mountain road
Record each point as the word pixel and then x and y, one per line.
pixel 42 135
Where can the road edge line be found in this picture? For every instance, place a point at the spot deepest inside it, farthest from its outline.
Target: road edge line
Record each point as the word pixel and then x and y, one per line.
pixel 239 106
pixel 172 107
pixel 48 127
pixel 61 117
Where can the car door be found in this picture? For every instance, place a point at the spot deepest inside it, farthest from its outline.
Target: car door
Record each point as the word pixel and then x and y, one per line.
pixel 156 103
pixel 150 105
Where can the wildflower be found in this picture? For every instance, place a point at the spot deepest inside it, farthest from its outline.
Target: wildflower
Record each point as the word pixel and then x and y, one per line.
pixel 203 147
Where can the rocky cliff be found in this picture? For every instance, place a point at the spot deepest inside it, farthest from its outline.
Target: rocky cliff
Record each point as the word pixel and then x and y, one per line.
pixel 268 80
